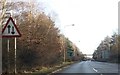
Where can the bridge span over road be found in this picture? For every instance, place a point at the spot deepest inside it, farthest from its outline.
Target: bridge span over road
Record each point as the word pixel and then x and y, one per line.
pixel 88 55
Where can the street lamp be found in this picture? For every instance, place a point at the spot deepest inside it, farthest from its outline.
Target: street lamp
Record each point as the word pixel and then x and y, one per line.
pixel 64 39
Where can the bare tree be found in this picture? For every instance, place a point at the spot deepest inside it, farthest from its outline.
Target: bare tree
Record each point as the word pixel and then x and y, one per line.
pixel 2 14
pixel 2 10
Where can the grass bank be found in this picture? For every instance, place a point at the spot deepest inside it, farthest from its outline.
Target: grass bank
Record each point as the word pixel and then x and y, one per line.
pixel 43 70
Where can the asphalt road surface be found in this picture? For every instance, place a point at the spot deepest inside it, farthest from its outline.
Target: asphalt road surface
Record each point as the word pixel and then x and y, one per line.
pixel 91 68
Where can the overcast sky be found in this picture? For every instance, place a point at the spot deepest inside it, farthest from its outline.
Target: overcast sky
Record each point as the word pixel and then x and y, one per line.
pixel 93 19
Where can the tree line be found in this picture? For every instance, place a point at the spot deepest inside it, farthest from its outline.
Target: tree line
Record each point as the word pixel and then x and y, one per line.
pixel 41 43
pixel 109 49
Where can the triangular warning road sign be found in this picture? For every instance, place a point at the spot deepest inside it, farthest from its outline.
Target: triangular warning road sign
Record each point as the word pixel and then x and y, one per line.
pixel 10 29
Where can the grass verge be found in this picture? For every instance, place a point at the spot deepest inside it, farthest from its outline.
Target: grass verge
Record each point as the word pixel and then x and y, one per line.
pixel 49 70
pixel 43 70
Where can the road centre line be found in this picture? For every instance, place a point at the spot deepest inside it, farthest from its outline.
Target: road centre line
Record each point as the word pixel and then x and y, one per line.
pixel 95 70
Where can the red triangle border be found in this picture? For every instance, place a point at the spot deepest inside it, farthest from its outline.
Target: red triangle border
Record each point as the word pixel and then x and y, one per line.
pixel 10 18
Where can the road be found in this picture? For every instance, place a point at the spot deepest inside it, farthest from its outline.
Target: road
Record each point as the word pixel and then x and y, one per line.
pixel 91 68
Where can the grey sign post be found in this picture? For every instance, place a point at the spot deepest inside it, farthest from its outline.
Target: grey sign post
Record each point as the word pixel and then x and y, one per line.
pixel 11 30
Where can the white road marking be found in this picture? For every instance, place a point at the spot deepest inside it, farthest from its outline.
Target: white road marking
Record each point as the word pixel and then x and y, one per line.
pixel 56 71
pixel 95 70
pixel 101 74
pixel 59 69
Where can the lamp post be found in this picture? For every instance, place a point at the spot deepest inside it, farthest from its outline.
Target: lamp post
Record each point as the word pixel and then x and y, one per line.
pixel 64 39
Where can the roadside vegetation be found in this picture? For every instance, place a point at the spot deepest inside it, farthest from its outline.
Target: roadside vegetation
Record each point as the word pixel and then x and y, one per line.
pixel 41 46
pixel 109 49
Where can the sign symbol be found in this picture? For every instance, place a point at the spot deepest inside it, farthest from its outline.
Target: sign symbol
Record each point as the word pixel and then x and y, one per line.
pixel 8 28
pixel 13 32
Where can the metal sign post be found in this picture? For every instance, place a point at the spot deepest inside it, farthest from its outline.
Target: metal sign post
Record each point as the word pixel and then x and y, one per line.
pixel 15 56
pixel 15 52
pixel 8 48
pixel 11 30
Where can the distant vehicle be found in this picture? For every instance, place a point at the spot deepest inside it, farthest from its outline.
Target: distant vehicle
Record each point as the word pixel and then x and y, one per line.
pixel 84 59
pixel 92 59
